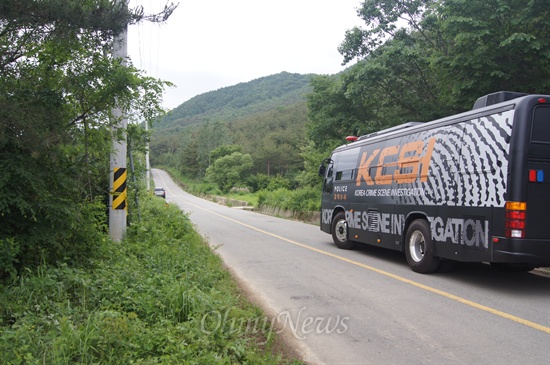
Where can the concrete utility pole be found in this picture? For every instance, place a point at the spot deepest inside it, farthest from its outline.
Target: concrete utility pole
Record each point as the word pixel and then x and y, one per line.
pixel 147 164
pixel 118 201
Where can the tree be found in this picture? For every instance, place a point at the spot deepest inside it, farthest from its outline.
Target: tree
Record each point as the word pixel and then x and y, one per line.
pixel 58 84
pixel 225 150
pixel 487 46
pixel 109 17
pixel 309 177
pixel 230 170
pixel 274 138
pixel 210 136
pixel 332 114
pixel 397 84
pixel 383 19
pixel 192 147
pixel 419 60
pixel 187 159
pixel 468 47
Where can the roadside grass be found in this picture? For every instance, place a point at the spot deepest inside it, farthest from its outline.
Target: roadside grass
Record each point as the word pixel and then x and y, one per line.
pixel 250 198
pixel 161 296
pixel 297 200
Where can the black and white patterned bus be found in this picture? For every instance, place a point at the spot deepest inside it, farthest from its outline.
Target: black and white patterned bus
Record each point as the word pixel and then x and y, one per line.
pixel 472 187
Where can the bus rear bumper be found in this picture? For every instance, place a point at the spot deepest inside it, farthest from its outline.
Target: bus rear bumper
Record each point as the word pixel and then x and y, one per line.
pixel 524 251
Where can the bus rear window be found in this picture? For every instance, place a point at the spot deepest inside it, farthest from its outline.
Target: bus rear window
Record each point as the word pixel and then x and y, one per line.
pixel 540 132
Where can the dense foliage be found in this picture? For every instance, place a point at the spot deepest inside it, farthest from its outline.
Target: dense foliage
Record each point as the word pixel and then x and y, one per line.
pixel 160 296
pixel 230 170
pixel 274 139
pixel 58 85
pixel 424 59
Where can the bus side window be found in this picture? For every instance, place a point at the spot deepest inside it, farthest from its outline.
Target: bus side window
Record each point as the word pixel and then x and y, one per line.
pixel 346 174
pixel 347 164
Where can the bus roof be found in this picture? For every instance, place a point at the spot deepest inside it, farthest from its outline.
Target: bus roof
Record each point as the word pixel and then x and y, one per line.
pixel 494 102
pixel 495 98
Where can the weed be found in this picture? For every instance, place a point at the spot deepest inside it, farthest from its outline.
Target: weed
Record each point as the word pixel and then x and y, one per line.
pixel 141 301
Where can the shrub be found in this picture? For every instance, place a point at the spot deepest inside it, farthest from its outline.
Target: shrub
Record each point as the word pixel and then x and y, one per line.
pixel 61 231
pixel 205 189
pixel 144 301
pixel 230 170
pixel 299 200
pixel 278 182
pixel 10 249
pixel 258 182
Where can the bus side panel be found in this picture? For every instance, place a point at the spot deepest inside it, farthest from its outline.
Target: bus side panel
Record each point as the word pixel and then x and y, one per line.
pixel 481 188
pixel 466 238
pixel 453 176
pixel 375 224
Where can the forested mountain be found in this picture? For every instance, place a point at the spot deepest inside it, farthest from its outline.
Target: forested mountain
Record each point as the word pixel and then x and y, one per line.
pixel 266 117
pixel 435 64
pixel 239 101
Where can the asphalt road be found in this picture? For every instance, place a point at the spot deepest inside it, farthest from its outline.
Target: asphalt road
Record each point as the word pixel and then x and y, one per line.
pixel 366 306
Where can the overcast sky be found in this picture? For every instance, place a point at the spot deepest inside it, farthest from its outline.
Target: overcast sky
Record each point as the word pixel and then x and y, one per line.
pixel 209 44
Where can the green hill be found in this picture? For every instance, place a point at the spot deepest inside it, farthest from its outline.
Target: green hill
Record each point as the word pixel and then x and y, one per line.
pixel 232 103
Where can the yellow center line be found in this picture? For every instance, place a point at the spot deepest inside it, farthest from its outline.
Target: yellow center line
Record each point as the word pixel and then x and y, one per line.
pixel 390 275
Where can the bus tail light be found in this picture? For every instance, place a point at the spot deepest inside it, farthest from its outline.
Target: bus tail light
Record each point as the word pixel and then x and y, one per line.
pixel 516 215
pixel 536 176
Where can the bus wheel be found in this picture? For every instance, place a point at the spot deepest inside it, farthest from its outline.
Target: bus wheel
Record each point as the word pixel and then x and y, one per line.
pixel 419 248
pixel 340 232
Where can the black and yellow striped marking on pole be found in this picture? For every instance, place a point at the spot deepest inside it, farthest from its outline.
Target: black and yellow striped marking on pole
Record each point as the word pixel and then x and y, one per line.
pixel 119 188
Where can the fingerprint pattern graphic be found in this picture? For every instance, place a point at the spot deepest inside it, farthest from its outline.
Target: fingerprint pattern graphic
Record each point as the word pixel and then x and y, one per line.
pixel 469 163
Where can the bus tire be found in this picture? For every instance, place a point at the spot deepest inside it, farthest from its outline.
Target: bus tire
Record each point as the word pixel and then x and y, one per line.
pixel 340 232
pixel 419 248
